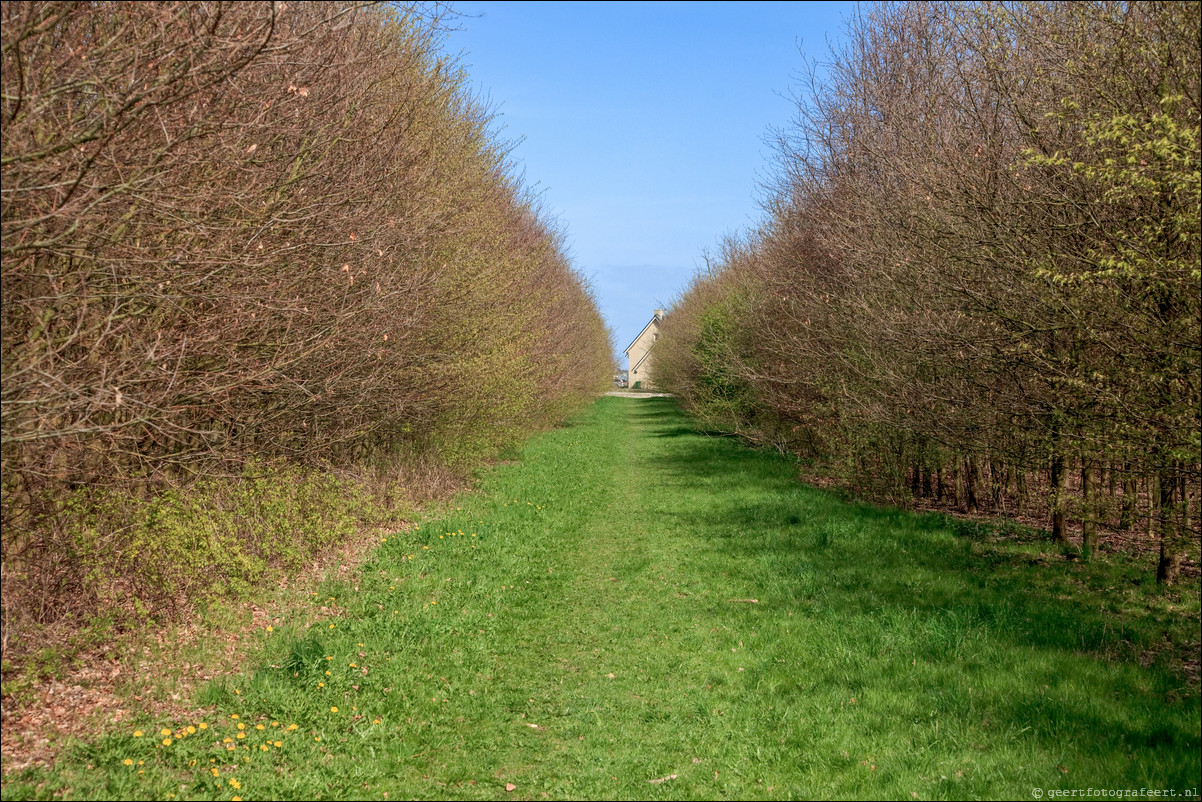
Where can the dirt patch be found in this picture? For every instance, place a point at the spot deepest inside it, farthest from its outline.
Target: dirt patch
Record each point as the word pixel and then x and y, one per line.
pixel 637 394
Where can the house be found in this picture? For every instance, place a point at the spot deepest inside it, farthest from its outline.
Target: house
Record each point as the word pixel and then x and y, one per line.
pixel 638 354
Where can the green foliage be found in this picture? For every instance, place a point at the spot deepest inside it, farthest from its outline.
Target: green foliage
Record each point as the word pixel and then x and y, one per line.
pixel 721 392
pixel 979 272
pixel 141 557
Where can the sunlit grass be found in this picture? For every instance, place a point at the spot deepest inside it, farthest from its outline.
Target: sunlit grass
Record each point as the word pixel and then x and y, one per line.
pixel 631 610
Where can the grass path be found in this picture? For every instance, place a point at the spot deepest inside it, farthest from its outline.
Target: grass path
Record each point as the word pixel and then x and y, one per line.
pixel 631 610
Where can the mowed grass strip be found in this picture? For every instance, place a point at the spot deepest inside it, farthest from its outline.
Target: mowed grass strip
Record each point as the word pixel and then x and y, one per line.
pixel 632 610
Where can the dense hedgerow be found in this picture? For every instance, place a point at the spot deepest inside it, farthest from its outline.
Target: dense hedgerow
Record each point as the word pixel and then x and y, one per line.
pixel 254 240
pixel 978 279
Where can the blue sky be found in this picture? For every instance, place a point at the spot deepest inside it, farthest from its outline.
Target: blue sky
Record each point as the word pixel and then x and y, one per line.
pixel 643 127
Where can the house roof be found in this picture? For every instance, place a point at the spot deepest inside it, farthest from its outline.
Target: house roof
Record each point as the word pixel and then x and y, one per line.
pixel 654 319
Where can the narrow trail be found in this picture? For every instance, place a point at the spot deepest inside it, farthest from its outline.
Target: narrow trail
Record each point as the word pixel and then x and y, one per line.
pixel 628 609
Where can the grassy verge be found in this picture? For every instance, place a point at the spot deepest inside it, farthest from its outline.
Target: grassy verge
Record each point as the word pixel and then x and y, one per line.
pixel 630 610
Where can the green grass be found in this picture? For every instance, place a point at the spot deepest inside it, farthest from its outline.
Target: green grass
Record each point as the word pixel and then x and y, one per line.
pixel 582 627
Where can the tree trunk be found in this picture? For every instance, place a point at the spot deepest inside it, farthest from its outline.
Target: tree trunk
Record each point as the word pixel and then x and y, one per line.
pixel 1130 495
pixel 1020 488
pixel 1089 520
pixel 997 485
pixel 1059 482
pixel 972 476
pixel 1171 543
pixel 1184 499
pixel 953 484
pixel 1150 487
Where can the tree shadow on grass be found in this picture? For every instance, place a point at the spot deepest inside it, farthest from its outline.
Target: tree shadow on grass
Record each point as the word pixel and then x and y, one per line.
pixel 1012 640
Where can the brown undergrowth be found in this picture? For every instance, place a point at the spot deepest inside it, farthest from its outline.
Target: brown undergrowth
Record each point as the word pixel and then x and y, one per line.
pixel 77 675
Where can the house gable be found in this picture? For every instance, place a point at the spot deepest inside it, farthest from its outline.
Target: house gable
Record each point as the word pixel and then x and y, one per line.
pixel 639 350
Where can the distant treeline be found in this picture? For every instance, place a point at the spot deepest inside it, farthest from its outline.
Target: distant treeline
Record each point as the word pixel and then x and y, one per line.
pixel 260 233
pixel 977 281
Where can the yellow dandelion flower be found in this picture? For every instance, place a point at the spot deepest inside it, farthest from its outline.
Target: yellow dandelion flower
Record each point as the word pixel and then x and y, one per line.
pixel 275 723
pixel 270 628
pixel 237 692
pixel 138 733
pixel 317 737
pixel 321 685
pixel 235 799
pixel 333 709
pixel 241 735
pixel 227 740
pixel 164 732
pixel 141 762
pixel 354 666
pixel 291 727
pixel 202 726
pixel 262 747
pixel 214 772
pixel 279 744
pixel 260 727
pixel 234 782
pixel 329 657
pixel 191 730
pixel 234 716
pixel 331 626
pixel 129 761
pixel 166 742
pixel 328 674
pixel 377 721
pixel 241 726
